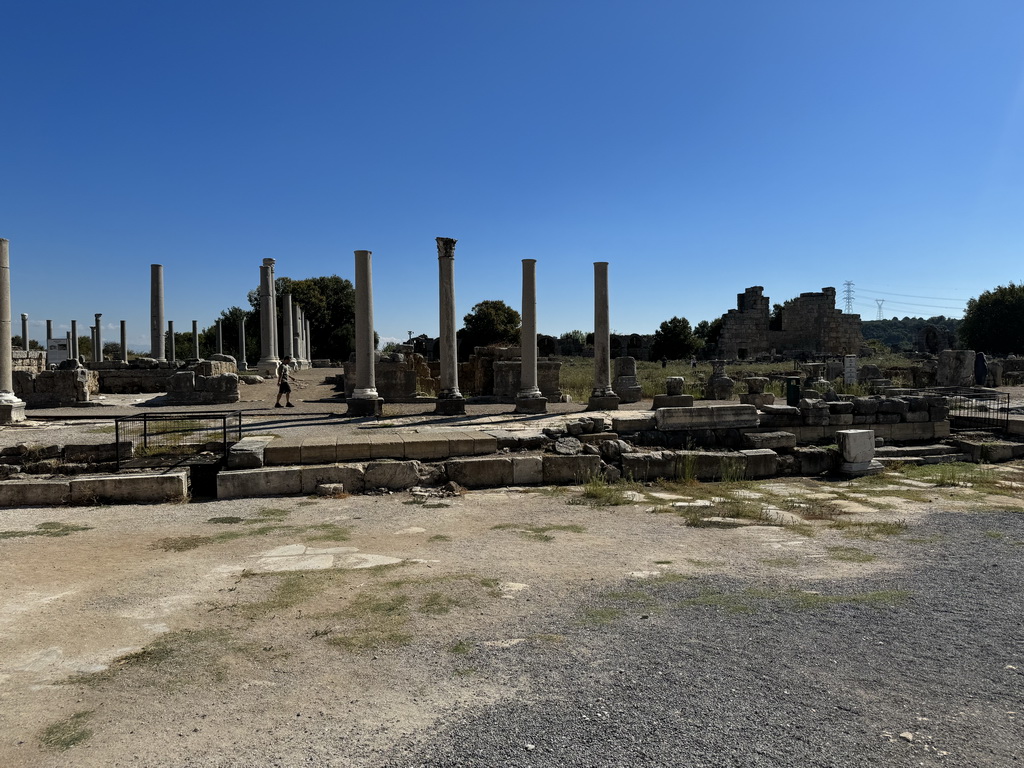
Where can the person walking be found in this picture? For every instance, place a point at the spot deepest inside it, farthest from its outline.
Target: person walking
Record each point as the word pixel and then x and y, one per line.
pixel 283 387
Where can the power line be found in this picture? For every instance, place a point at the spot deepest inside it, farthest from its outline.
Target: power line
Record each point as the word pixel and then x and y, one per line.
pixel 911 296
pixel 879 302
pixel 912 304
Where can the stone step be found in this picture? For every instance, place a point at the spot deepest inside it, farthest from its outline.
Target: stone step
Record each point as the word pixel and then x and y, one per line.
pixel 915 450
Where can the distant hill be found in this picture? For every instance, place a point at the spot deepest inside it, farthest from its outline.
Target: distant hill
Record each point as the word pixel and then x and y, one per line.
pixel 902 335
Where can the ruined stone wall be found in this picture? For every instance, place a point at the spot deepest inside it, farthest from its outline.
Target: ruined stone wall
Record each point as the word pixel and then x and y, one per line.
pixel 745 329
pixel 812 323
pixel 809 323
pixel 49 389
pixel 33 361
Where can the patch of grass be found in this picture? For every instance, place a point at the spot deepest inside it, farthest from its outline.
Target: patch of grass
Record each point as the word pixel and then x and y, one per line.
pixel 181 543
pixel 663 562
pixel 537 532
pixel 460 647
pixel 266 514
pixel 598 492
pixel 46 529
pixel 439 537
pixel 872 529
pixel 328 532
pixel 227 520
pixel 995 534
pixel 176 659
pixel 64 734
pixel 801 529
pixel 438 604
pixel 850 554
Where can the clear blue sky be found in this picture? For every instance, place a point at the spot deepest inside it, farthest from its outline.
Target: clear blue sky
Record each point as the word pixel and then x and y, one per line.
pixel 698 147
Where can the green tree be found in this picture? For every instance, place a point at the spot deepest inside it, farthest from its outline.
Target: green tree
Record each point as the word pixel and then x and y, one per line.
pixel 674 339
pixel 329 304
pixel 490 322
pixel 994 322
pixel 707 334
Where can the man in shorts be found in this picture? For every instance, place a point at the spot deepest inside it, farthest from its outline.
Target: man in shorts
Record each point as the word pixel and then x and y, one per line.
pixel 283 387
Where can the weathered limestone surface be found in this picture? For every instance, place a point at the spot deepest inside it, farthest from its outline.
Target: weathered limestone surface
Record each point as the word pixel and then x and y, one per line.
pixel 706 417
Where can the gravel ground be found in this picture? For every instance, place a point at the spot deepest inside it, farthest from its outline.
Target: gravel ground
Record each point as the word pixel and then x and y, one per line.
pixel 926 667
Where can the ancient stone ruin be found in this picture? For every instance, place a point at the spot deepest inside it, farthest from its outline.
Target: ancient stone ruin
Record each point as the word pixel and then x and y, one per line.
pixel 809 324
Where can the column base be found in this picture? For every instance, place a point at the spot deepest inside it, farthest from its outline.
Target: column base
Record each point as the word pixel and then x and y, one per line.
pixel 603 403
pixel 861 468
pixel 268 366
pixel 531 405
pixel 451 406
pixel 11 411
pixel 672 401
pixel 365 406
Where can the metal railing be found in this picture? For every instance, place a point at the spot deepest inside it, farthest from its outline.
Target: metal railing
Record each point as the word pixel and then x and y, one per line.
pixel 175 439
pixel 975 408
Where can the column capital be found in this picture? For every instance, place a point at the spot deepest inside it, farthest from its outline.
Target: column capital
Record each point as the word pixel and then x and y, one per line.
pixel 446 247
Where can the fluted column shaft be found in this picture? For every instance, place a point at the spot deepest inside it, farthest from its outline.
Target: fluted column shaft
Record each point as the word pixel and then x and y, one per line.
pixel 6 347
pixel 449 343
pixel 287 326
pixel 366 383
pixel 602 333
pixel 156 308
pixel 528 332
pixel 171 352
pixel 124 342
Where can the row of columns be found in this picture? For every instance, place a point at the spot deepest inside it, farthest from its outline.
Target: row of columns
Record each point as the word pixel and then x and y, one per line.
pixel 366 402
pixel 294 339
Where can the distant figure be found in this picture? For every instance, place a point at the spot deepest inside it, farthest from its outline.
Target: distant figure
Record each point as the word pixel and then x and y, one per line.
pixel 283 387
pixel 664 362
pixel 693 363
pixel 980 369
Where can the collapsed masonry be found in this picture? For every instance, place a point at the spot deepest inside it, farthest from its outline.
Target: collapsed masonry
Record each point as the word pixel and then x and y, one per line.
pixel 810 324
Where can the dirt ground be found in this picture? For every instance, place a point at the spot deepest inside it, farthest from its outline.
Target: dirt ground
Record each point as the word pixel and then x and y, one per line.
pixel 297 631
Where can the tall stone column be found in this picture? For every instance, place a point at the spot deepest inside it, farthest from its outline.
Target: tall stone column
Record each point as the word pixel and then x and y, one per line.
pixel 529 398
pixel 70 346
pixel 450 401
pixel 287 327
pixel 242 365
pixel 97 352
pixel 603 397
pixel 170 341
pixel 364 401
pixel 49 332
pixel 73 349
pixel 195 339
pixel 156 311
pixel 268 320
pixel 124 342
pixel 299 336
pixel 24 331
pixel 92 340
pixel 309 343
pixel 12 408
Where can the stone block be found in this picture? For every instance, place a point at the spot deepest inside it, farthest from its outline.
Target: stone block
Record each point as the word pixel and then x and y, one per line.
pixel 941 429
pixel 865 406
pixel 633 422
pixel 758 399
pixel 840 407
pixel 706 417
pixel 916 417
pixel 675 385
pixel 90 454
pixel 352 447
pixel 938 412
pixel 351 476
pixel 283 452
pixel 130 489
pixel 34 493
pixel 840 419
pixel 770 440
pixel 865 418
pixel 888 418
pixel 483 472
pixel 426 446
pixel 562 470
pixel 253 483
pixel 461 443
pixel 392 475
pixel 893 405
pixel 761 462
pixel 248 452
pixel 527 470
pixel 319 450
pixel 856 445
pixel 813 461
pixel 386 445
